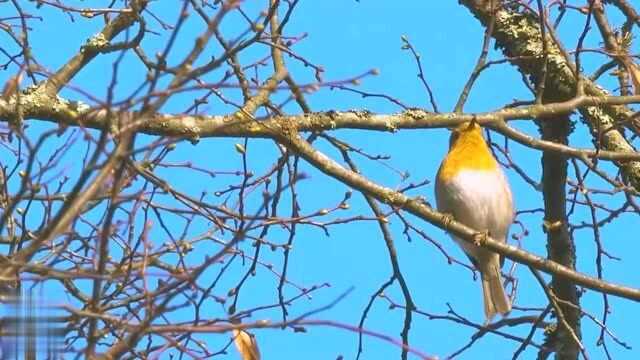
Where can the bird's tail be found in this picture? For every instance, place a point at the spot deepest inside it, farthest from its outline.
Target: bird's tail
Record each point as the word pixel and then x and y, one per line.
pixel 495 299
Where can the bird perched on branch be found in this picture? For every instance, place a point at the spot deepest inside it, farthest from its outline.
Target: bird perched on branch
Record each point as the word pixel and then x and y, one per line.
pixel 472 187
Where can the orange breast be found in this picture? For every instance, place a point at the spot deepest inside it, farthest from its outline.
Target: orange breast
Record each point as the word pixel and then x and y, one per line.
pixel 467 151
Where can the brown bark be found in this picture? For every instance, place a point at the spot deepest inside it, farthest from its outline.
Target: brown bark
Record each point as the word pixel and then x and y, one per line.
pixel 560 245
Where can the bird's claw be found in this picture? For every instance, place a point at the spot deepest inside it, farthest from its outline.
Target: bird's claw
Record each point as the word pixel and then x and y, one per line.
pixel 480 238
pixel 447 219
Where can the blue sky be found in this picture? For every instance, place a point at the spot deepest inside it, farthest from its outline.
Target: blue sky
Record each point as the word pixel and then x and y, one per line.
pixel 349 38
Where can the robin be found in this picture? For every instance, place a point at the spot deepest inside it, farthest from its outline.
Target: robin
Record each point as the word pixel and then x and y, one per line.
pixel 472 187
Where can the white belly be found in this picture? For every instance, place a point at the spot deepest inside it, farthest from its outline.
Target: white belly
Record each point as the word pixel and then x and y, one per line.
pixel 479 199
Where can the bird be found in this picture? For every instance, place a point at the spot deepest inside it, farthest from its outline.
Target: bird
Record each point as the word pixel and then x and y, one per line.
pixel 472 188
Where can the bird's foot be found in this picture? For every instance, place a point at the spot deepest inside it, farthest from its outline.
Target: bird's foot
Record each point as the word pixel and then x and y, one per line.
pixel 480 238
pixel 447 219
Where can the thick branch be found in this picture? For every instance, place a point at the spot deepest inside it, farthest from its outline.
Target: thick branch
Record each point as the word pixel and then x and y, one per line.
pixel 93 47
pixel 35 104
pixel 560 245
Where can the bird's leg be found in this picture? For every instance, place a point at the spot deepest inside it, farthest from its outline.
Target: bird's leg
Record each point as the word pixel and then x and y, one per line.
pixel 480 238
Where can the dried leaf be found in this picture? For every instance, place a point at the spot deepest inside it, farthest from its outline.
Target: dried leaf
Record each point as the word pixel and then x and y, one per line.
pixel 246 345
